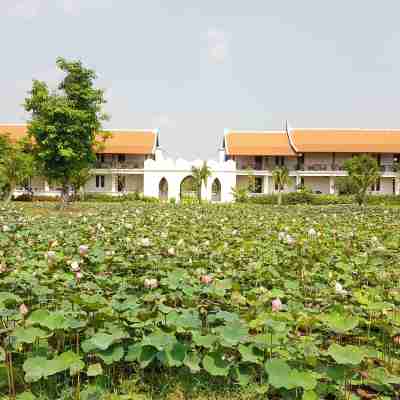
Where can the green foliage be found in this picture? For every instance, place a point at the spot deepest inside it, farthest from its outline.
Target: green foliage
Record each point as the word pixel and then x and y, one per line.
pixel 65 124
pixel 109 329
pixel 200 178
pixel 363 171
pixel 16 165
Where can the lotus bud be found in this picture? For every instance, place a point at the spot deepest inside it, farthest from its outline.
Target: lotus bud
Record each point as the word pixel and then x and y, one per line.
pixel 3 268
pixel 5 228
pixel 339 289
pixel 171 251
pixel 276 305
pixel 206 279
pixel 145 242
pixel 23 309
pixel 50 256
pixel 78 275
pixel 75 266
pixel 312 232
pixel 83 250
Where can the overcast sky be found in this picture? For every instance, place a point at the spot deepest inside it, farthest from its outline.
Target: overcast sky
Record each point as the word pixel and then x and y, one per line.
pixel 193 68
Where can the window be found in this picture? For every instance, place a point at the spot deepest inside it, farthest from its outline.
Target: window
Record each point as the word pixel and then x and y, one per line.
pixel 279 161
pixel 258 162
pixel 100 181
pixel 258 184
pixel 121 157
pixel 100 157
pixel 376 187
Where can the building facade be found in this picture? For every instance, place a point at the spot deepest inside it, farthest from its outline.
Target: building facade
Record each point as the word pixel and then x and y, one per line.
pixel 132 161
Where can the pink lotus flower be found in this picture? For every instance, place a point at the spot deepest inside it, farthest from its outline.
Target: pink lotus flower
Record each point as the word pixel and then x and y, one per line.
pixel 3 268
pixel 83 250
pixel 206 279
pixel 276 305
pixel 23 309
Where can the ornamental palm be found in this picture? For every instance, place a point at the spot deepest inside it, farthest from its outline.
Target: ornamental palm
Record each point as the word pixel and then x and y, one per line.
pixel 280 177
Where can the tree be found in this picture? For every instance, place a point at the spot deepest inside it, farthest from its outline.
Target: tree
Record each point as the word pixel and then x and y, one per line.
pixel 363 172
pixel 200 176
pixel 79 180
pixel 16 165
pixel 65 124
pixel 280 177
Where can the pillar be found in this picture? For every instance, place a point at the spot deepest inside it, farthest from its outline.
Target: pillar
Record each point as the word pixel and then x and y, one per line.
pixel 331 185
pixel 46 186
pixel 266 184
pixel 397 186
pixel 113 184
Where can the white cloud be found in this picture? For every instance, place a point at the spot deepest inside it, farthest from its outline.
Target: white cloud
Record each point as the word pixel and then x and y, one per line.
pixel 26 9
pixel 218 46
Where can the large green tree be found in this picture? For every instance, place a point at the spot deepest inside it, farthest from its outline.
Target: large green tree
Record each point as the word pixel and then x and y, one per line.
pixel 280 178
pixel 363 172
pixel 16 165
pixel 65 124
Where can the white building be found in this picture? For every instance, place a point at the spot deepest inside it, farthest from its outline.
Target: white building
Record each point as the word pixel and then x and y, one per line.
pixel 132 161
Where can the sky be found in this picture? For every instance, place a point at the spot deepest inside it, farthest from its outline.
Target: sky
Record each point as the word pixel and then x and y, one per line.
pixel 194 68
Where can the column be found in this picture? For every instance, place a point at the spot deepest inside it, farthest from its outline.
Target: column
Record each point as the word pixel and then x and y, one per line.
pixel 331 185
pixel 113 183
pixel 397 186
pixel 46 186
pixel 266 189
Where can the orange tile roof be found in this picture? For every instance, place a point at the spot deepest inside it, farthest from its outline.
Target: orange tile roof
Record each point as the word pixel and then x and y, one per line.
pixel 121 142
pixel 263 143
pixel 346 140
pixel 131 142
pixel 16 132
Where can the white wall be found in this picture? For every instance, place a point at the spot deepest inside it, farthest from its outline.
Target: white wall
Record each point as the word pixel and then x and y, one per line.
pixel 317 183
pixel 174 171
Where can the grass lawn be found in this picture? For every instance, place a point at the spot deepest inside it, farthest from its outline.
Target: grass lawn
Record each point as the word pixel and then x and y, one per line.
pixel 159 301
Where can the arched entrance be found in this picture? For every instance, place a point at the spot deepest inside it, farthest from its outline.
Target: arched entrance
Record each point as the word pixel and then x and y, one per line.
pixel 163 189
pixel 216 190
pixel 188 188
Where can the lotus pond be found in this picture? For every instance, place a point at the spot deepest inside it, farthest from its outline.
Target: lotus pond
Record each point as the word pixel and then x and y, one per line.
pixel 153 301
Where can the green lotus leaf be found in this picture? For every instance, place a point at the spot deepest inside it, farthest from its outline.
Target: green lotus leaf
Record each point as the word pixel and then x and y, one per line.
pixel 206 341
pixel 188 320
pixel 111 355
pixel 133 352
pixel 250 354
pixel 174 356
pixel 279 374
pixel 233 333
pixel 147 355
pixel 346 354
pixel 192 361
pixel 72 361
pixel 310 395
pixel 26 396
pixel 34 368
pixel 102 340
pixel 159 340
pixel 216 364
pixel 382 376
pixel 28 335
pixel 242 374
pixel 340 323
pixel 94 370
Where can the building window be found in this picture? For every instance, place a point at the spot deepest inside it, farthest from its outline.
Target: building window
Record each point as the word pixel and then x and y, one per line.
pixel 279 161
pixel 100 181
pixel 376 187
pixel 258 184
pixel 258 162
pixel 121 158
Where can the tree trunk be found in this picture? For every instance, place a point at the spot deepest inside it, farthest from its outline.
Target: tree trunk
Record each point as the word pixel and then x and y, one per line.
pixel 64 194
pixel 279 198
pixel 10 192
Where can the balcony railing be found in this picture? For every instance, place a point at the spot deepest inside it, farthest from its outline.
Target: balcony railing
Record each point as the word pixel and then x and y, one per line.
pixel 119 165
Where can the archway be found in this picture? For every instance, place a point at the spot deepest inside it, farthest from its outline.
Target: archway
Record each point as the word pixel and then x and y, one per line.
pixel 188 188
pixel 163 189
pixel 216 190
